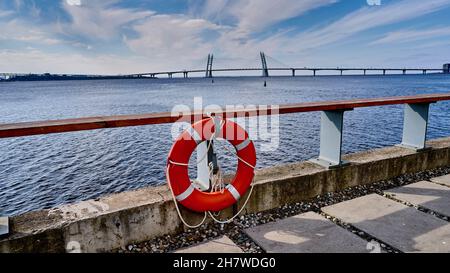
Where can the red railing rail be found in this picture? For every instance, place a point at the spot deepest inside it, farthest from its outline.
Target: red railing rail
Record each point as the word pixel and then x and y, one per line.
pixel 93 123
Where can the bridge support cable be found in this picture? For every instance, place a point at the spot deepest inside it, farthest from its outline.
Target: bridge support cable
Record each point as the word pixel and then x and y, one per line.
pixel 279 64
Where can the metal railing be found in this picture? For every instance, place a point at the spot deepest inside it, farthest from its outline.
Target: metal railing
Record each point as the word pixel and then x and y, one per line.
pixel 414 130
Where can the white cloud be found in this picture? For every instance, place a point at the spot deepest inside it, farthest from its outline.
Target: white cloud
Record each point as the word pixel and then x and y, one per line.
pixel 252 14
pixel 241 20
pixel 35 61
pixel 411 35
pixel 98 19
pixel 18 4
pixel 5 13
pixel 308 44
pixel 213 9
pixel 369 18
pixel 228 28
pixel 256 15
pixel 74 2
pixel 176 39
pixel 16 30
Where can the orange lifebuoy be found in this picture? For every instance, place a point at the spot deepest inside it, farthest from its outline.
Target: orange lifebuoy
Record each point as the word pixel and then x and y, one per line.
pixel 185 145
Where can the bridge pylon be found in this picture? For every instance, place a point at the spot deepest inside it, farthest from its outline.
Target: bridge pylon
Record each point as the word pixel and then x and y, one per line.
pixel 209 66
pixel 265 69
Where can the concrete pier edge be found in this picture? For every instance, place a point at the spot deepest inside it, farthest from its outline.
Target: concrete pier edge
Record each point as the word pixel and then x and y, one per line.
pixel 117 220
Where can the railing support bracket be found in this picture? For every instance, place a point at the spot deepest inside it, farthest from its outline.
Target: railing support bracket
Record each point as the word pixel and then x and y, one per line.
pixel 331 129
pixel 415 126
pixel 4 226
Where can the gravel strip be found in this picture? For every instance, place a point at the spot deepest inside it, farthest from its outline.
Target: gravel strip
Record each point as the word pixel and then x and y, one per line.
pixel 235 230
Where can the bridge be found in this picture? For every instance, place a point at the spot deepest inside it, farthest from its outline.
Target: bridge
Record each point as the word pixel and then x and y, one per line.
pixel 265 70
pixel 209 72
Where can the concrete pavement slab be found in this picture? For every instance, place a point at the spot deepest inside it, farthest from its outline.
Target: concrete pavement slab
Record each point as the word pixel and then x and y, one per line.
pixel 220 245
pixel 306 233
pixel 443 180
pixel 400 226
pixel 426 194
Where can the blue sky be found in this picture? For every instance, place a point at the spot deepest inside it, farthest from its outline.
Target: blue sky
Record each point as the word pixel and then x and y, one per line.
pixel 118 37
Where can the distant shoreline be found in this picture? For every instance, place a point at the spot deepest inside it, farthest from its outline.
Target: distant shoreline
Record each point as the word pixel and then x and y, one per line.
pixel 52 77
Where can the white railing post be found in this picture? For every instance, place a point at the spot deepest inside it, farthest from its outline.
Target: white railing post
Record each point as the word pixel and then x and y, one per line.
pixel 415 126
pixel 4 226
pixel 331 129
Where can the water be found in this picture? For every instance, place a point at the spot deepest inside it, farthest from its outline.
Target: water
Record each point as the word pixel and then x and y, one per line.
pixel 44 171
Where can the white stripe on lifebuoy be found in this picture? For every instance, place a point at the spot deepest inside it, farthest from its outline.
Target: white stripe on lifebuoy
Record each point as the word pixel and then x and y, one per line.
pixel 243 145
pixel 185 194
pixel 194 134
pixel 233 192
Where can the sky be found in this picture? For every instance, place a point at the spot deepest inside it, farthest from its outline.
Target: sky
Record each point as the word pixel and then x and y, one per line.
pixel 137 36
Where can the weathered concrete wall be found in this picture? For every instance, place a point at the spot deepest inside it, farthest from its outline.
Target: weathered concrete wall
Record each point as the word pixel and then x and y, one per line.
pixel 118 220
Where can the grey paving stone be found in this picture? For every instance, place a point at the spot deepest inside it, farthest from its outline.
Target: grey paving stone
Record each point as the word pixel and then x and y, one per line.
pixel 400 226
pixel 426 194
pixel 220 245
pixel 443 180
pixel 306 233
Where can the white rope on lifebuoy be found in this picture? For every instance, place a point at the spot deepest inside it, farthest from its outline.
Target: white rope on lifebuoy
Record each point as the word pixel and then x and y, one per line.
pixel 178 209
pixel 237 214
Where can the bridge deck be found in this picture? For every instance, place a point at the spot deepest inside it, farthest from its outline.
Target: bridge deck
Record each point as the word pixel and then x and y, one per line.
pixel 290 69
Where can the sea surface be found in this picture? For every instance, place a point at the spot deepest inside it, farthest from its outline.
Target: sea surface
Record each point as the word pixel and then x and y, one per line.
pixel 45 171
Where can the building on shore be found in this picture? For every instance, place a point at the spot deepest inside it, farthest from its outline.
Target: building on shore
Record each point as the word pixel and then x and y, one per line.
pixel 446 69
